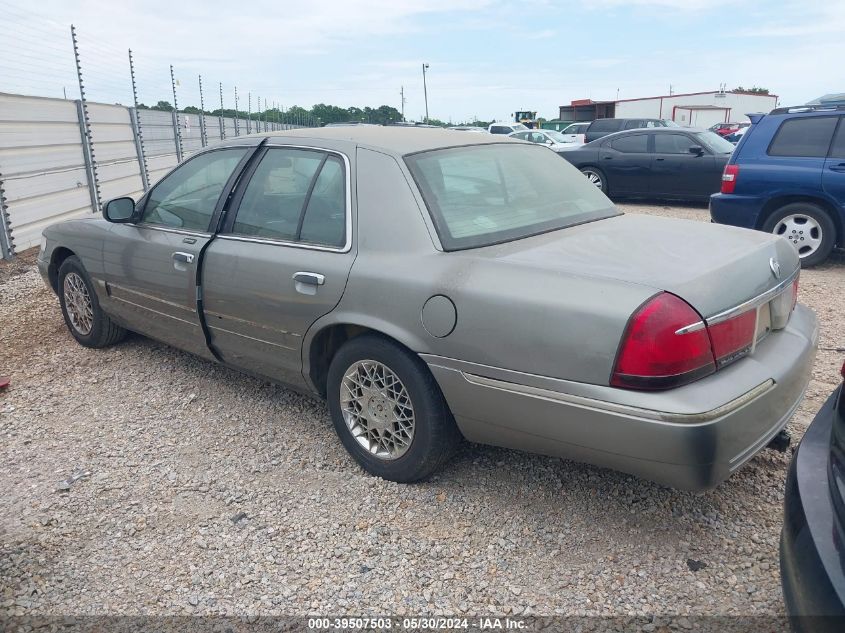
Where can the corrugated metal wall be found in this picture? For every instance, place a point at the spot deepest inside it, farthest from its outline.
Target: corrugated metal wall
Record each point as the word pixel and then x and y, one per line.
pixel 43 172
pixel 41 159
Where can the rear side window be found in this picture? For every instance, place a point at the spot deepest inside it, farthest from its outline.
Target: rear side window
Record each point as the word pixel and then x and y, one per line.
pixel 838 149
pixel 499 129
pixel 295 195
pixel 806 137
pixel 634 144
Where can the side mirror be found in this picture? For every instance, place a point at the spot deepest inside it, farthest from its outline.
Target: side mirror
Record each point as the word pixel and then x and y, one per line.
pixel 696 149
pixel 119 210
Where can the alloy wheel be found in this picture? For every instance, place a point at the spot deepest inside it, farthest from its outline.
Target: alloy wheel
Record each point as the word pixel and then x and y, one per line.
pixel 593 177
pixel 78 304
pixel 802 231
pixel 377 409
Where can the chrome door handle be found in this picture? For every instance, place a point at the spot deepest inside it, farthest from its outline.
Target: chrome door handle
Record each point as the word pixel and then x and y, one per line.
pixel 185 258
pixel 312 279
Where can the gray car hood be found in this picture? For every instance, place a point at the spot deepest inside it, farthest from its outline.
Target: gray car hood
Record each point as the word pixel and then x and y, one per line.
pixel 711 266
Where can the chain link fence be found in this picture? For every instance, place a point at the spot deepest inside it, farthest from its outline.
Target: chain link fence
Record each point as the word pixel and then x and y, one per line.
pixel 82 122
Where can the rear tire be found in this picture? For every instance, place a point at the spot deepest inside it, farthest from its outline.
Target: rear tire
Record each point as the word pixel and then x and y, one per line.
pixel 86 321
pixel 596 176
pixel 806 226
pixel 374 389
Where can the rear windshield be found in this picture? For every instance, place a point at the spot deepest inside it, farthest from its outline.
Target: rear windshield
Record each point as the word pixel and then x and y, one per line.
pixel 487 194
pixel 715 143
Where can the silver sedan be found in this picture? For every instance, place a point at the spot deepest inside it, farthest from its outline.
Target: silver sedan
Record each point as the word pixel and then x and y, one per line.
pixel 433 287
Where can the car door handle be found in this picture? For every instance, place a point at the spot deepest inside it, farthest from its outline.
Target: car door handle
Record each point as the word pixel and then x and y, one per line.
pixel 840 167
pixel 659 159
pixel 185 258
pixel 312 279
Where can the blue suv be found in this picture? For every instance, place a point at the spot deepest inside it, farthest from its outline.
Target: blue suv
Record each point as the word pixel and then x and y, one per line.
pixel 787 176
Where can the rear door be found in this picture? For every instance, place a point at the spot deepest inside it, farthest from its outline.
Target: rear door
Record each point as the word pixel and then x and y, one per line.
pixel 626 162
pixel 281 260
pixel 833 179
pixel 676 172
pixel 151 266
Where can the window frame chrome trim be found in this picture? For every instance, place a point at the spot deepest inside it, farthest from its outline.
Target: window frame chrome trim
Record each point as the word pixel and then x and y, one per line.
pixel 347 245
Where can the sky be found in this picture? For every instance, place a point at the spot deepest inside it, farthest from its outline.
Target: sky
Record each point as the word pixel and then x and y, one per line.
pixel 487 58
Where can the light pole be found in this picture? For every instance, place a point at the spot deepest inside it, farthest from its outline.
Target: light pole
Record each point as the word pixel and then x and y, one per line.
pixel 425 92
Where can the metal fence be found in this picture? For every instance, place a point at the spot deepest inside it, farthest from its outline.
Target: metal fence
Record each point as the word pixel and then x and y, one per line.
pixel 62 158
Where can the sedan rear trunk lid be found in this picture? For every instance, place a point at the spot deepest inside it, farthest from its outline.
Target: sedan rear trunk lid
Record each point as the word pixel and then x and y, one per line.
pixel 712 267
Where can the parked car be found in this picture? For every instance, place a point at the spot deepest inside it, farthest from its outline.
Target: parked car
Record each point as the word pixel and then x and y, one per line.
pixel 812 544
pixel 787 177
pixel 506 128
pixel 575 133
pixel 724 129
pixel 603 127
pixel 431 285
pixel 469 128
pixel 666 163
pixel 551 139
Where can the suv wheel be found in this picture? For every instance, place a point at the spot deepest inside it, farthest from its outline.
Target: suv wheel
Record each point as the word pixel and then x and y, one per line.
pixel 388 410
pixel 807 227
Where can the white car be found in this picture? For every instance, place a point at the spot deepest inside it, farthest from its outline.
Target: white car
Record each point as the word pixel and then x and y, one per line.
pixel 554 140
pixel 506 128
pixel 575 133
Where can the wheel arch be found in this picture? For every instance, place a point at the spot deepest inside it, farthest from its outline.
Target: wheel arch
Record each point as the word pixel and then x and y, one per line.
pixel 323 341
pixel 57 258
pixel 777 202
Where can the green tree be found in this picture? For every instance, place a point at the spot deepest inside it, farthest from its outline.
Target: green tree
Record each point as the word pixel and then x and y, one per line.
pixel 754 89
pixel 163 105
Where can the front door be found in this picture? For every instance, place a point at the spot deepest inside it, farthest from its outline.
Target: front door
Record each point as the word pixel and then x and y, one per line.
pixel 281 262
pixel 676 172
pixel 151 266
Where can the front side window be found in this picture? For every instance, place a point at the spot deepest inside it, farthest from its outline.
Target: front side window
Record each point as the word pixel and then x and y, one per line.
pixel 186 198
pixel 295 195
pixel 487 194
pixel 633 144
pixel 672 144
pixel 804 137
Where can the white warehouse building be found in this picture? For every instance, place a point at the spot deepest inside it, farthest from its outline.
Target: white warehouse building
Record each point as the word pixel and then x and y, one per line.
pixel 692 109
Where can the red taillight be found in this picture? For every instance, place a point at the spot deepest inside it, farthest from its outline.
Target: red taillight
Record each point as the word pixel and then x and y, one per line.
pixel 733 338
pixel 795 290
pixel 729 177
pixel 660 350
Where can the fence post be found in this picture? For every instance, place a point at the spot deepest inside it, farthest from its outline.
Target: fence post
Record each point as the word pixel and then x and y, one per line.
pixel 139 147
pixel 203 135
pixel 88 157
pixel 249 113
pixel 136 128
pixel 7 244
pixel 176 129
pixel 85 130
pixel 237 124
pixel 222 127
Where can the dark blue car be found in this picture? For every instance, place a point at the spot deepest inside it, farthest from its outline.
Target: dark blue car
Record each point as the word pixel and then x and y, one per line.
pixel 812 546
pixel 787 176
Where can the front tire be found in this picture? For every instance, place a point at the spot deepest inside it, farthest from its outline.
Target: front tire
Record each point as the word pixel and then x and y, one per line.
pixel 807 227
pixel 86 321
pixel 388 410
pixel 596 176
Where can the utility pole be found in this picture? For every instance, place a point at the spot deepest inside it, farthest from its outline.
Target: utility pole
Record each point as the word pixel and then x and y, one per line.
pixel 425 92
pixel 402 94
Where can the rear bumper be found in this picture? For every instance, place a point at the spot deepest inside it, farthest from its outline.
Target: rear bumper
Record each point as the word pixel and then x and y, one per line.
pixel 812 552
pixel 692 437
pixel 736 210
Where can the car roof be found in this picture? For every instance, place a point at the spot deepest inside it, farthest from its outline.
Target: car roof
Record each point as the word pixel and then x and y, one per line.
pixel 395 140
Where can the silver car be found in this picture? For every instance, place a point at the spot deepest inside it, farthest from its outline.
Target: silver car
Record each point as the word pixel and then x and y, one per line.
pixel 433 286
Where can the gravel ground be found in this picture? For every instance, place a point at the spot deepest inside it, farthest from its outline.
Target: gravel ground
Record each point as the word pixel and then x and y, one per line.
pixel 197 490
